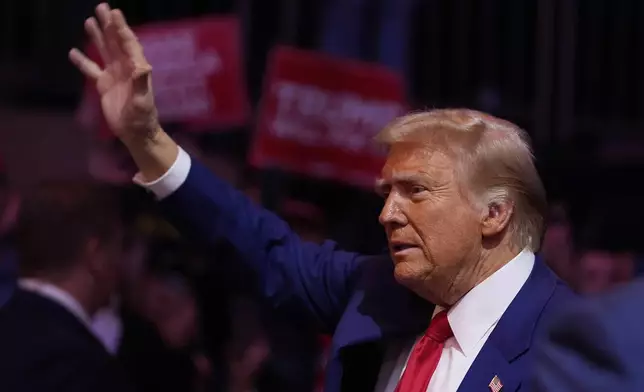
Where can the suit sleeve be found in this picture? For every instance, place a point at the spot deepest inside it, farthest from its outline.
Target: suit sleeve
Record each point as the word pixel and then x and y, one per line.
pixel 300 276
pixel 590 347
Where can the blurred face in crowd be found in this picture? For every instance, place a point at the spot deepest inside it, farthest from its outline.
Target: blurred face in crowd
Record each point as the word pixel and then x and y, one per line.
pixel 600 270
pixel 104 264
pixel 434 231
pixel 557 249
pixel 9 209
pixel 171 306
pixel 596 271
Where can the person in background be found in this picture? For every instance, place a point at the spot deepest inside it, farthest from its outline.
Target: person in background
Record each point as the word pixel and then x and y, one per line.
pixel 248 349
pixel 170 304
pixel 598 269
pixel 557 245
pixel 594 343
pixel 108 323
pixel 161 348
pixel 69 241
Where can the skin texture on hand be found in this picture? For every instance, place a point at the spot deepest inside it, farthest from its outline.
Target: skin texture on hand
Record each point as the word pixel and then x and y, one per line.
pixel 125 89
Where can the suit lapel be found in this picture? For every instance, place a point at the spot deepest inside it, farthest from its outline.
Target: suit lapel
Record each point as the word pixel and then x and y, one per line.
pixel 512 336
pixel 489 363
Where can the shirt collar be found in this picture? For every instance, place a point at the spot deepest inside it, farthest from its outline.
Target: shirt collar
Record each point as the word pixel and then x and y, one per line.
pixel 481 308
pixel 59 296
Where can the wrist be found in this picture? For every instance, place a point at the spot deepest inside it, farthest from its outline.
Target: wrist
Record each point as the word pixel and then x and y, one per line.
pixel 153 152
pixel 142 140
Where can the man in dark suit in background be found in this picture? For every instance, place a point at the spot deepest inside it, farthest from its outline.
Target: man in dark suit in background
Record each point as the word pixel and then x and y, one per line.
pixel 69 243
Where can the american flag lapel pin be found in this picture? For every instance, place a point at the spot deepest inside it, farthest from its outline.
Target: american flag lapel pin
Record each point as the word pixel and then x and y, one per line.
pixel 496 385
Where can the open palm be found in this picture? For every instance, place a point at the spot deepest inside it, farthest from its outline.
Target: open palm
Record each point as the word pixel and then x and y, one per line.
pixel 124 84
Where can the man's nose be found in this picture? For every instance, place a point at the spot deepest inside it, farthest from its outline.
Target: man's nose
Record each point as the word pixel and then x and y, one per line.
pixel 391 213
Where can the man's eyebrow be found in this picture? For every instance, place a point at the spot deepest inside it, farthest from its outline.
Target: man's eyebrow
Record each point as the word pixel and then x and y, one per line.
pixel 408 177
pixel 411 177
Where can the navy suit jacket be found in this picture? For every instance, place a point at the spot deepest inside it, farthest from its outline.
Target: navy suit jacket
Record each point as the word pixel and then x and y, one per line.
pixel 595 344
pixel 353 296
pixel 43 347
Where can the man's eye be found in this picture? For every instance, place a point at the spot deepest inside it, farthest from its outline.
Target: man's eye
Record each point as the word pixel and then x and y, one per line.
pixel 416 189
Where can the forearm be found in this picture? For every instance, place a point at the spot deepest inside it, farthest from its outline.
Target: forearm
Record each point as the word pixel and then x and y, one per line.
pixel 154 154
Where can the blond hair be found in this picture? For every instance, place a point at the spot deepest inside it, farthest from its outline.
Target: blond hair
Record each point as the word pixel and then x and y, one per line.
pixel 494 156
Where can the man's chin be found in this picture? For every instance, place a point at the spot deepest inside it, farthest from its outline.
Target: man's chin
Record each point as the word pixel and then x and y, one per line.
pixel 415 281
pixel 405 275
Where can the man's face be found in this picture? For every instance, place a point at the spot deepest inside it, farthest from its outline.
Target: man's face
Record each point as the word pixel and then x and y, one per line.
pixel 171 306
pixel 108 269
pixel 598 271
pixel 557 248
pixel 434 231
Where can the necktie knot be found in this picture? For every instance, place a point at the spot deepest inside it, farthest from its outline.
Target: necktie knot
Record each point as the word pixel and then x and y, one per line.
pixel 439 329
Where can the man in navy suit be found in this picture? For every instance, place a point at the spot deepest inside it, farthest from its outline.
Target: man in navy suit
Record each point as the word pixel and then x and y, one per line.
pixel 456 304
pixel 594 344
pixel 68 240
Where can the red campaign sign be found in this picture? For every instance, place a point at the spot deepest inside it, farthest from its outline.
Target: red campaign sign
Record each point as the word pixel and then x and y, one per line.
pixel 198 74
pixel 319 114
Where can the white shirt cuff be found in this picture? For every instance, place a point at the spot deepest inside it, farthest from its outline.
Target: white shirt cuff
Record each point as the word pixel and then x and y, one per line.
pixel 171 180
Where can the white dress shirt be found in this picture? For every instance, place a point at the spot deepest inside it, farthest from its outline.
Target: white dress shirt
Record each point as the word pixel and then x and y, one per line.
pixel 107 325
pixel 472 318
pixel 171 180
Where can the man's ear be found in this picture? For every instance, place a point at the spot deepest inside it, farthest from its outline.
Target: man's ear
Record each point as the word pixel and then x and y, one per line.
pixel 497 218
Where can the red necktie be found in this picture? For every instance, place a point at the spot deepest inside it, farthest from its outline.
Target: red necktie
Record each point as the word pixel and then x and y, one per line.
pixel 425 355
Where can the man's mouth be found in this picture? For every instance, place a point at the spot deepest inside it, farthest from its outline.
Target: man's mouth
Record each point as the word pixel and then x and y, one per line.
pixel 398 248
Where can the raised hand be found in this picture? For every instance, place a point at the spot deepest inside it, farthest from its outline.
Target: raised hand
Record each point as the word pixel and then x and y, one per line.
pixel 125 83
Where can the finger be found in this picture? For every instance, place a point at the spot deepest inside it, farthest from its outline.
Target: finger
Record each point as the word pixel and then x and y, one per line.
pixel 127 39
pixel 134 51
pixel 84 64
pixel 96 35
pixel 103 13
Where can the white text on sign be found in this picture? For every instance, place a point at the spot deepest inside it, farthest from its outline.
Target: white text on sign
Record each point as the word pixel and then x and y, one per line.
pixel 314 116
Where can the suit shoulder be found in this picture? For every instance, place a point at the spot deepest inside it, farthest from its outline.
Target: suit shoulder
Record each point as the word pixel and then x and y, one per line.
pixel 561 297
